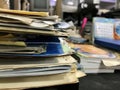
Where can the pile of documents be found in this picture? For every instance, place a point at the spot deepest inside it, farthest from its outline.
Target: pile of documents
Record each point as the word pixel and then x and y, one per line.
pixel 28 32
pixel 38 72
pixel 25 22
pixel 95 59
pixel 32 52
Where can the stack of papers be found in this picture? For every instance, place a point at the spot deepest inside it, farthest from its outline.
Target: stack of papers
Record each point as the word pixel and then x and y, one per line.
pixel 15 21
pixel 38 72
pixel 92 58
pixel 25 33
pixel 32 52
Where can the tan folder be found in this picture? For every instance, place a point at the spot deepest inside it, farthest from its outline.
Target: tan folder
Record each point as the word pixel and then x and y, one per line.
pixel 20 12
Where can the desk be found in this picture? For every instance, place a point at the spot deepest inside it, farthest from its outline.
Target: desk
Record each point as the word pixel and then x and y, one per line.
pixel 100 82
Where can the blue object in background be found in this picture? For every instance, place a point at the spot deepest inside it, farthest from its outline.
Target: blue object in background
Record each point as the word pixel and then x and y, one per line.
pixel 77 40
pixel 118 30
pixel 108 43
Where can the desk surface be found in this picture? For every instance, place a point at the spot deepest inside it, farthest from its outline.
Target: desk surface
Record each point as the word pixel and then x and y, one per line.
pixel 100 82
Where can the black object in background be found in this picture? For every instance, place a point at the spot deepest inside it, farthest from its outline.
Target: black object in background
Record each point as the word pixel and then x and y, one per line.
pixel 112 14
pixel 11 4
pixel 87 10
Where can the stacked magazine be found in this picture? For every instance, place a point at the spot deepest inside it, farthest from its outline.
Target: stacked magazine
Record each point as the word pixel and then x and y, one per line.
pixel 91 58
